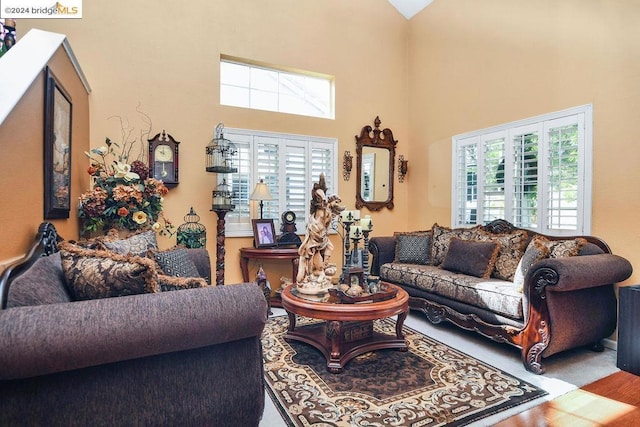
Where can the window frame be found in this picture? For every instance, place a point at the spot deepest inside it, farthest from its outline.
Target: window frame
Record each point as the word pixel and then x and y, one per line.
pixel 240 225
pixel 582 116
pixel 280 91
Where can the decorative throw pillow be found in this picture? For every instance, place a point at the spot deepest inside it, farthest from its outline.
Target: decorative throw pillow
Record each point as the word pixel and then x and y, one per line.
pixel 441 238
pixel 535 251
pixel 413 247
pixel 471 257
pixel 540 248
pixel 94 274
pixel 175 262
pixel 92 243
pixel 138 244
pixel 171 283
pixel 512 246
pixel 562 248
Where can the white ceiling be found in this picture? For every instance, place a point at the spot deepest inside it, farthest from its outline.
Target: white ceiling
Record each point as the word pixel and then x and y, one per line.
pixel 408 8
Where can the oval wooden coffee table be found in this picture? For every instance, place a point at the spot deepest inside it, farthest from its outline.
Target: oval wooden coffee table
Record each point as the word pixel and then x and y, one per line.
pixel 348 330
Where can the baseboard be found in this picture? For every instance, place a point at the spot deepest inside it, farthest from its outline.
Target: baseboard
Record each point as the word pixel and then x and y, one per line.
pixel 610 344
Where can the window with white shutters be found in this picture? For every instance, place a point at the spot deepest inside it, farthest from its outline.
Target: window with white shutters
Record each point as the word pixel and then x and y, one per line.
pixel 288 164
pixel 535 173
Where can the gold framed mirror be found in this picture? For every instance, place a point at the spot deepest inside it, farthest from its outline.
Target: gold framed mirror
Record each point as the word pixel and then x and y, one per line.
pixel 375 158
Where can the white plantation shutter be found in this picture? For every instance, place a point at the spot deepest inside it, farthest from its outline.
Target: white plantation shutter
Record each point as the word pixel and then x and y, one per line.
pixel 288 164
pixel 493 153
pixel 535 173
pixel 466 191
pixel 267 167
pixel 295 183
pixel 524 143
pixel 321 162
pixel 240 182
pixel 563 165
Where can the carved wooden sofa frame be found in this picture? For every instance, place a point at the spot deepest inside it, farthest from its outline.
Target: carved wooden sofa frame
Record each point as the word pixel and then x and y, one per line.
pixel 547 289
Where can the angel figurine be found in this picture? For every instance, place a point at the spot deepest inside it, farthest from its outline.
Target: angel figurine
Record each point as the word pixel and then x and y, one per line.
pixel 315 269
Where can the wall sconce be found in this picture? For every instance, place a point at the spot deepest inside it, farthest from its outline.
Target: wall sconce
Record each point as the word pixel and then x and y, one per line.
pixel 347 165
pixel 402 168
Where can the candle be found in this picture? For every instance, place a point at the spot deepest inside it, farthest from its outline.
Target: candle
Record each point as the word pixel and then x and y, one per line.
pixel 346 216
pixel 355 232
pixel 356 214
pixel 366 223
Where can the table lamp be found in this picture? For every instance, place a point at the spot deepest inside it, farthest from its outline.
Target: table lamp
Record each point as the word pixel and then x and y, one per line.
pixel 261 193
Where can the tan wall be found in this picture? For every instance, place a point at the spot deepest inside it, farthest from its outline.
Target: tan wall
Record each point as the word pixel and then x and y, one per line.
pixel 469 64
pixel 478 64
pixel 22 176
pixel 167 60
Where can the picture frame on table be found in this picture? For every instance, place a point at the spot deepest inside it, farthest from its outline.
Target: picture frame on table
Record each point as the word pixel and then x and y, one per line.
pixel 58 110
pixel 264 233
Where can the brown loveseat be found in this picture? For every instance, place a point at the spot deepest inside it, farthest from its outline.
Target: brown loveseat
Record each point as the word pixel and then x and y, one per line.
pixel 185 357
pixel 560 303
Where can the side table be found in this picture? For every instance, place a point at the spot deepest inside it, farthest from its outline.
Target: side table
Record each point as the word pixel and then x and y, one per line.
pixel 265 254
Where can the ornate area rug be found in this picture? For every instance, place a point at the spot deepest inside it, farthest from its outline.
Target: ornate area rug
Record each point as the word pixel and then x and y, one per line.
pixel 430 385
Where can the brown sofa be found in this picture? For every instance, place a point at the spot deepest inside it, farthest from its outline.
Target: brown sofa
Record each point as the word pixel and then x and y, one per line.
pixel 563 302
pixel 186 357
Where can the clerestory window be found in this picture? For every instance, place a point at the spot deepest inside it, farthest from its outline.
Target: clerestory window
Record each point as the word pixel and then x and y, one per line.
pixel 262 87
pixel 289 165
pixel 535 173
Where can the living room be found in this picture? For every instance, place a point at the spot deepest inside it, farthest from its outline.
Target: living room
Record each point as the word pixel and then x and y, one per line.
pixel 455 67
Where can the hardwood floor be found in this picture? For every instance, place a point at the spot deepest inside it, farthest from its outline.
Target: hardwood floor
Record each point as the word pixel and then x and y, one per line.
pixel 611 401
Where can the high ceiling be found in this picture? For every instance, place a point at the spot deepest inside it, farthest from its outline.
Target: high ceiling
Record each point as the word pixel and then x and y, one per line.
pixel 408 8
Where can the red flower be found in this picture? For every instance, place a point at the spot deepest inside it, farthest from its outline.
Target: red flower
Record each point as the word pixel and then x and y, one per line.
pixel 140 168
pixel 123 212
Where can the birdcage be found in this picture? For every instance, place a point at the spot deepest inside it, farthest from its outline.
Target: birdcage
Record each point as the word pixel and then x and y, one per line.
pixel 192 234
pixel 220 153
pixel 222 198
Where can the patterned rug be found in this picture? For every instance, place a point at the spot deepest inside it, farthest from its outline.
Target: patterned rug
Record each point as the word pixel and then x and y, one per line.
pixel 430 385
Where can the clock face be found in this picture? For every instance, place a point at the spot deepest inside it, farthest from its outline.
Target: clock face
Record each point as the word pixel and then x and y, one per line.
pixel 163 153
pixel 290 217
pixel 288 222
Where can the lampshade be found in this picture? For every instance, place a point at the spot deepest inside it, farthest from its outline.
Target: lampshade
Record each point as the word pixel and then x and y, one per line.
pixel 261 192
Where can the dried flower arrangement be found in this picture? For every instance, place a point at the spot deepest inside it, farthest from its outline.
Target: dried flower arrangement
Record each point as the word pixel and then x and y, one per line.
pixel 123 196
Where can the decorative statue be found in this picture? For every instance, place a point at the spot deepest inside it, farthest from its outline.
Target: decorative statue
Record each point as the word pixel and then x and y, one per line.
pixel 315 270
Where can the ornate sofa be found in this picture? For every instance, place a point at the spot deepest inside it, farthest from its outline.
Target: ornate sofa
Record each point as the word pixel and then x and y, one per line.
pixel 184 357
pixel 561 302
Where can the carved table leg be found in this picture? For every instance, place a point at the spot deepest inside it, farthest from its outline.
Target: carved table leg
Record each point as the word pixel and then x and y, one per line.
pixel 334 332
pixel 399 324
pixel 244 267
pixel 292 321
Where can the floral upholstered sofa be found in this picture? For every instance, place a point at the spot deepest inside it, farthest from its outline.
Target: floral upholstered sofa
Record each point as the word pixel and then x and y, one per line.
pixel 109 337
pixel 539 293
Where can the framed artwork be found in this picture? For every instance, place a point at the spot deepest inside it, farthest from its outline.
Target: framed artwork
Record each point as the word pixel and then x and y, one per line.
pixel 57 149
pixel 264 233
